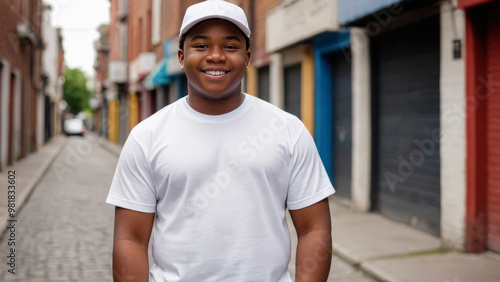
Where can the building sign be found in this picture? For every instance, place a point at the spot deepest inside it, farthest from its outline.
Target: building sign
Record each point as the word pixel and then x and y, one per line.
pixel 142 65
pixel 118 71
pixel 299 20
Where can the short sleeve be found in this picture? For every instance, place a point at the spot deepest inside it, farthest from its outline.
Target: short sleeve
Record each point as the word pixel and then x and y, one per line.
pixel 309 182
pixel 133 186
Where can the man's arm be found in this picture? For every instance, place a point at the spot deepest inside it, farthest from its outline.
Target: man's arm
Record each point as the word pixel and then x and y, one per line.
pixel 314 247
pixel 130 246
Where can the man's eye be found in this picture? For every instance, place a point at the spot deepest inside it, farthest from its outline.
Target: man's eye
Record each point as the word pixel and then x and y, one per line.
pixel 231 47
pixel 200 46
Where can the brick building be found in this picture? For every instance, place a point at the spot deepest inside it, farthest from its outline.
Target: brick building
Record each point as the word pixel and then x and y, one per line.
pixel 20 81
pixel 406 123
pixel 118 70
pixel 101 67
pixel 49 111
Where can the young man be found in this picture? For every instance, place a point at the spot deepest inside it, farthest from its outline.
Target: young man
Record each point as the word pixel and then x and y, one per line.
pixel 214 173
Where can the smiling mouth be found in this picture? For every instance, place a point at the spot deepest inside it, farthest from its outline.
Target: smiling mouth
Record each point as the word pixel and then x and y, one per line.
pixel 216 73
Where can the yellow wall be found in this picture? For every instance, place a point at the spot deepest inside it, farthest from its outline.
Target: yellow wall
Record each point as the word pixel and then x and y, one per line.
pixel 252 81
pixel 133 110
pixel 307 91
pixel 113 121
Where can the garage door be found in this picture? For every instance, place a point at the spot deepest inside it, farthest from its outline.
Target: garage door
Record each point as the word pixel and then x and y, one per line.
pixel 293 89
pixel 406 159
pixel 342 122
pixel 493 128
pixel 263 84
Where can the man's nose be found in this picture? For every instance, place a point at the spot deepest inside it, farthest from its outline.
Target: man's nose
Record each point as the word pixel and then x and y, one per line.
pixel 216 54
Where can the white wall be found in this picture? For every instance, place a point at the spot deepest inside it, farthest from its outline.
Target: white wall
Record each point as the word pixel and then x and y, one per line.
pixel 453 139
pixel 50 60
pixel 361 120
pixel 276 84
pixel 50 54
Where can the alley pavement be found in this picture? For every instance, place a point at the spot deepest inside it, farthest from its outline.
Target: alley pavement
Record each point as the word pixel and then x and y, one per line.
pixel 64 229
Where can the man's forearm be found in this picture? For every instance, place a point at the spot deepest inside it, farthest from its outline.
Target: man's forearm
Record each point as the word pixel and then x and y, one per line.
pixel 314 256
pixel 130 262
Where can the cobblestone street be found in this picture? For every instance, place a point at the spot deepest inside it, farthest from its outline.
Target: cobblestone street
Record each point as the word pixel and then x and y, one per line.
pixel 64 231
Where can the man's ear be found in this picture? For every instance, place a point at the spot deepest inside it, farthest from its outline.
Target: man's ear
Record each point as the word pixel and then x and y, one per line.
pixel 180 56
pixel 249 54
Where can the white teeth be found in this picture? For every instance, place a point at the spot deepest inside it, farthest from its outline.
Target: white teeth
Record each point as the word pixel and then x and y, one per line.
pixel 215 72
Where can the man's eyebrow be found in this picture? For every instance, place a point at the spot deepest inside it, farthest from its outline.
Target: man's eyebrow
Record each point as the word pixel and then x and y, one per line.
pixel 232 37
pixel 199 37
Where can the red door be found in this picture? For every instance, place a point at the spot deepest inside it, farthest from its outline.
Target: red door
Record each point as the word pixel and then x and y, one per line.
pixel 493 129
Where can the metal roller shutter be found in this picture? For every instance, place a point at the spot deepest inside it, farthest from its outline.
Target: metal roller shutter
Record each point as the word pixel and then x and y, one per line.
pixel 263 84
pixel 293 89
pixel 406 157
pixel 493 128
pixel 342 121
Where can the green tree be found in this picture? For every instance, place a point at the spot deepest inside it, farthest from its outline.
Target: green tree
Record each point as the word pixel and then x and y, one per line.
pixel 76 93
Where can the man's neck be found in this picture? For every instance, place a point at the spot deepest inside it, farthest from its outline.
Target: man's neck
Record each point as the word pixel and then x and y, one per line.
pixel 215 107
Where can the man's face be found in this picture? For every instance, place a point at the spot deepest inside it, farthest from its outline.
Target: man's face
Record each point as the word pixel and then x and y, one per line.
pixel 214 59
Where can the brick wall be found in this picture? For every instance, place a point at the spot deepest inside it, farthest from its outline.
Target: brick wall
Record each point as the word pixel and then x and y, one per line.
pixel 16 51
pixel 261 9
pixel 114 31
pixel 24 60
pixel 171 18
pixel 139 27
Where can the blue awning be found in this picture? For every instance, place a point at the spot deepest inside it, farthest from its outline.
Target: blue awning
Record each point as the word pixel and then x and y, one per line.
pixel 157 77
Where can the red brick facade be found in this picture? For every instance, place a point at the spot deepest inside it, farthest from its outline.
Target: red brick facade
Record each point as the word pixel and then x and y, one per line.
pixel 262 8
pixel 23 56
pixel 139 20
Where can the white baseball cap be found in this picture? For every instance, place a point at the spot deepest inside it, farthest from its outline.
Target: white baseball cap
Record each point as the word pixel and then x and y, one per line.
pixel 214 9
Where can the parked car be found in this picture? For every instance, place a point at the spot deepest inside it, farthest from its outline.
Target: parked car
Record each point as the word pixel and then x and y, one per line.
pixel 74 127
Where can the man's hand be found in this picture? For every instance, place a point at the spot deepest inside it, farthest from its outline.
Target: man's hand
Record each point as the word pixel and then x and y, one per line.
pixel 314 248
pixel 130 246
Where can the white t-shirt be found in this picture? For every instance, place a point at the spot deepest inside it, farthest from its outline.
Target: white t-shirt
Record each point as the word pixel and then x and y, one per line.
pixel 220 186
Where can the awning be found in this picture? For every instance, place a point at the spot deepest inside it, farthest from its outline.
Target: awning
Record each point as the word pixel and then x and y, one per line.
pixel 157 77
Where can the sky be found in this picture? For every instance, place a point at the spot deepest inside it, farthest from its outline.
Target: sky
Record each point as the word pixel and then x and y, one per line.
pixel 79 20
